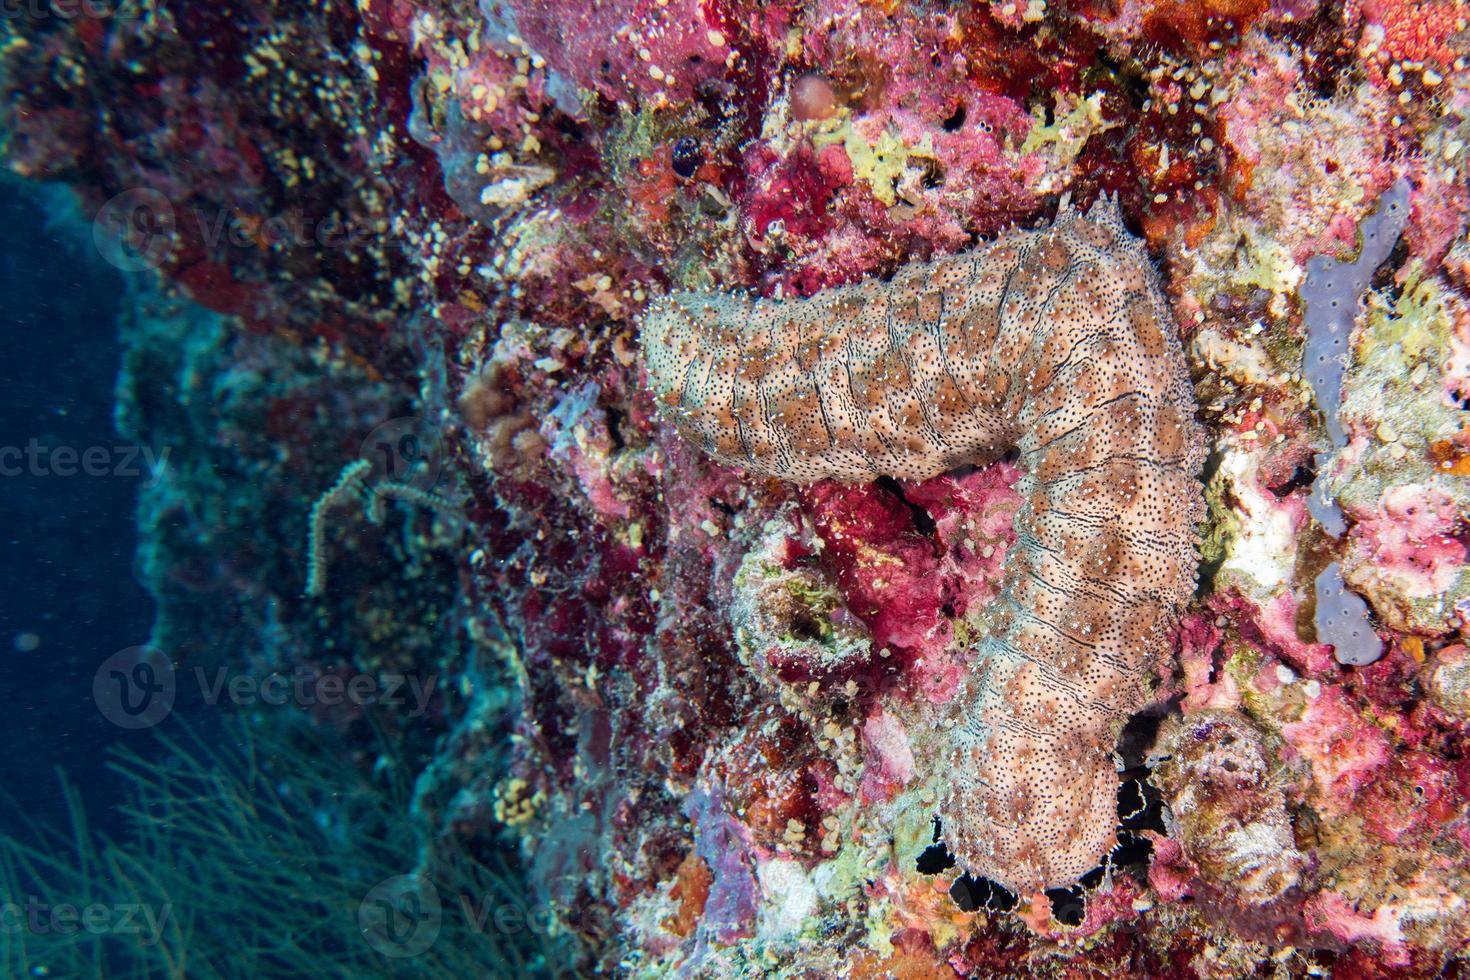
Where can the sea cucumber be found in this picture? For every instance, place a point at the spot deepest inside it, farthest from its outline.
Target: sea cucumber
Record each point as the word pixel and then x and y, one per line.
pixel 1057 343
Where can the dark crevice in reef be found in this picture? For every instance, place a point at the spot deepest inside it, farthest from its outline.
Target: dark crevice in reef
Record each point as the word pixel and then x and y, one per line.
pixel 970 893
pixel 936 856
pixel 1140 808
pixel 1326 53
pixel 973 894
pixel 1209 567
pixel 615 420
pixel 1132 851
pixel 934 859
pixel 1069 905
pixel 923 522
pixel 1385 277
pixel 807 626
pixel 1132 800
pixel 1302 477
pixel 1139 734
pixel 1128 75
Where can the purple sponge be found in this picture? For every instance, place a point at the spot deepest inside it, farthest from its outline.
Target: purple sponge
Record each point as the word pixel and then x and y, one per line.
pixel 1330 298
pixel 1342 620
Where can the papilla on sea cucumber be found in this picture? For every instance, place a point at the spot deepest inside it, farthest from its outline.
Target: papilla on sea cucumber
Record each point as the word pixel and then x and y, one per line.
pixel 1057 343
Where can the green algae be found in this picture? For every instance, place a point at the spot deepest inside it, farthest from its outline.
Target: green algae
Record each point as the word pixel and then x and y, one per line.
pixel 1418 324
pixel 1222 525
pixel 1071 127
pixel 882 163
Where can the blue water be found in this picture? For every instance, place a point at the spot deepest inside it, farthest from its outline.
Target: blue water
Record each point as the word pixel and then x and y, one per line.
pixel 69 596
pixel 285 841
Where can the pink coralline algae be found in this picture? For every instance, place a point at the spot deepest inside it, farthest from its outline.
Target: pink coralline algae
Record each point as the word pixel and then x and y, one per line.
pixel 1344 749
pixel 625 52
pixel 1415 37
pixel 890 757
pixel 1412 539
pixel 738 716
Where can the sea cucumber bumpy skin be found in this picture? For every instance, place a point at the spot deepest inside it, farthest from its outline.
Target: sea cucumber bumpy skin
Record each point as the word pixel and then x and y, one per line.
pixel 1058 343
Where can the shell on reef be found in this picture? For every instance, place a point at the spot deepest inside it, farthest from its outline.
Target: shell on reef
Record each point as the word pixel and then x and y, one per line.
pixel 1448 681
pixel 1227 813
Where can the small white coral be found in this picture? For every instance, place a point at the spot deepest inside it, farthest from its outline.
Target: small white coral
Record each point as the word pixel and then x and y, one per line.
pixel 791 898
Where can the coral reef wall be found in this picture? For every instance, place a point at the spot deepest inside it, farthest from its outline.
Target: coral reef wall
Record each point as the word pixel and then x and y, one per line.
pixel 731 689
